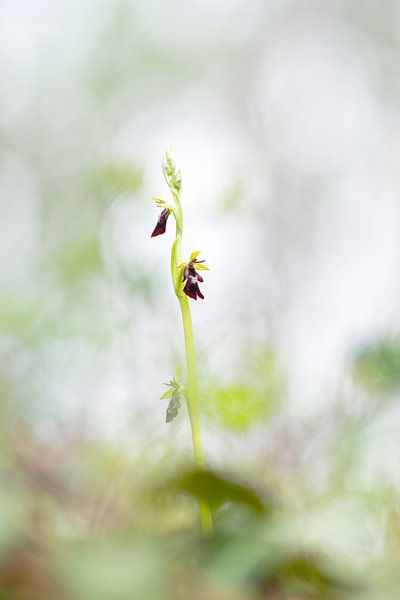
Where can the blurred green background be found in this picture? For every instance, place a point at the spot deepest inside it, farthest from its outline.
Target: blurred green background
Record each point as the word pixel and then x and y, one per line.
pixel 284 119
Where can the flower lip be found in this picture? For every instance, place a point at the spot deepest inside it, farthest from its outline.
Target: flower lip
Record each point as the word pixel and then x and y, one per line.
pixel 192 289
pixel 161 224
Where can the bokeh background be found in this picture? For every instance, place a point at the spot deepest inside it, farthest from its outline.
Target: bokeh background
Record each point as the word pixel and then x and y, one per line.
pixel 284 119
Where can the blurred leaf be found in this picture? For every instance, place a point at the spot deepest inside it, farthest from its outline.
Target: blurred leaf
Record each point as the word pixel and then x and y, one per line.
pixel 392 533
pixel 117 568
pixel 377 366
pixel 115 179
pixel 236 406
pixel 79 259
pixel 252 561
pixel 238 560
pixel 307 574
pixel 232 197
pixel 216 490
pixel 241 405
pixel 16 313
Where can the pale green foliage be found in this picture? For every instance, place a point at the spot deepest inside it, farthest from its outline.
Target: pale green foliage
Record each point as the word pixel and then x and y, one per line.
pixel 251 400
pixel 377 365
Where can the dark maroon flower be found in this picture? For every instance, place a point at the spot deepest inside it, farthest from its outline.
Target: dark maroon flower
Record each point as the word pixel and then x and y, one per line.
pixel 192 278
pixel 161 223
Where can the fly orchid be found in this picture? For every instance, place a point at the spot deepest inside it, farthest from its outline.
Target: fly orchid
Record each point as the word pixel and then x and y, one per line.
pixel 185 279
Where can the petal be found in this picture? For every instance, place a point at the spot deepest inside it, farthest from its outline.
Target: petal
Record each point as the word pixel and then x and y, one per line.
pixel 159 229
pixel 161 223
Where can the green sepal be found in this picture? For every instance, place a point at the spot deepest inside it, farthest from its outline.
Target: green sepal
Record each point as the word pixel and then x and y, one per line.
pixel 163 204
pixel 194 254
pixel 201 267
pixel 159 201
pixel 167 393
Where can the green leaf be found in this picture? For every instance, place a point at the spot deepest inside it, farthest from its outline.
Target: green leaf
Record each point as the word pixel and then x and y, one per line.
pixel 241 405
pixel 377 365
pixel 237 406
pixel 79 258
pixel 118 566
pixel 216 490
pixel 310 575
pixel 113 179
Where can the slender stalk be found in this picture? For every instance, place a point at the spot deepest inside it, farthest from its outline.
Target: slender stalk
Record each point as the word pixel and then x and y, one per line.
pixel 191 388
pixel 193 407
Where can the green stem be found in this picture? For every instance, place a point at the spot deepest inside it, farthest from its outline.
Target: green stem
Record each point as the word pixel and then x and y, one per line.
pixel 191 389
pixel 192 399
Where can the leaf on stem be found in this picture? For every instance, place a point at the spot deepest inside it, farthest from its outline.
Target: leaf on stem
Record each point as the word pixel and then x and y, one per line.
pixel 175 393
pixel 216 490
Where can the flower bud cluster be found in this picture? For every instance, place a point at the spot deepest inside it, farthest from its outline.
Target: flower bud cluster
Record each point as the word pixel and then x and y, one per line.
pixel 172 175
